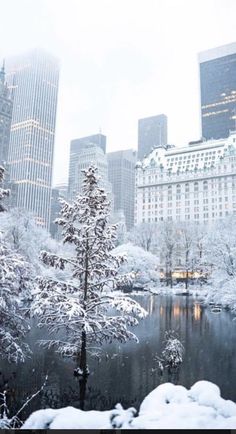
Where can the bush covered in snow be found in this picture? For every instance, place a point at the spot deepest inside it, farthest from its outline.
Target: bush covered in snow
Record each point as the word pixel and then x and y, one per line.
pixel 166 407
pixel 223 292
pixel 140 263
pixel 222 256
pixel 173 351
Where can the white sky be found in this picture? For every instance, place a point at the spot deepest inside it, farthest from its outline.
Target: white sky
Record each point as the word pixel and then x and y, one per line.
pixel 121 60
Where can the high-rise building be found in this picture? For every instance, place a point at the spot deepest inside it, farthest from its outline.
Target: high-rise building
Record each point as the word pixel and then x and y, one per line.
pixel 33 78
pixel 193 183
pixel 152 132
pixel 58 192
pixel 76 146
pixel 93 154
pixel 5 117
pixel 218 91
pixel 121 174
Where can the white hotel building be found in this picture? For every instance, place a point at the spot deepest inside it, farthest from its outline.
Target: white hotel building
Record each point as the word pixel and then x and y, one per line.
pixel 193 183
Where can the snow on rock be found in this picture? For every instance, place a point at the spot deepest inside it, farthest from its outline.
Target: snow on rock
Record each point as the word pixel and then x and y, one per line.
pixel 175 407
pixel 140 262
pixel 166 407
pixel 68 418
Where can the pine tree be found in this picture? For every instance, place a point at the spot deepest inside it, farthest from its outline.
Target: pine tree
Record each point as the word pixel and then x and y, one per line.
pixel 85 307
pixel 14 285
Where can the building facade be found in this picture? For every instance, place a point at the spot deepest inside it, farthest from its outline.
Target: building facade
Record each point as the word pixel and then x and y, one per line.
pixel 194 183
pixel 33 78
pixel 218 91
pixel 76 146
pixel 152 132
pixel 93 154
pixel 5 118
pixel 121 174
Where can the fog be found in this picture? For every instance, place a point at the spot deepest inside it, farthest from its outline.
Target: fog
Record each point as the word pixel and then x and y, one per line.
pixel 121 60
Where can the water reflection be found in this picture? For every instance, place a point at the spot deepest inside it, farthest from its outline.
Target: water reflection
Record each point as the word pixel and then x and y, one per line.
pixel 197 309
pixel 210 351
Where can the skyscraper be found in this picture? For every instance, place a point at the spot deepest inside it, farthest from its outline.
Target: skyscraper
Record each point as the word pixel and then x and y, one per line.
pixel 33 78
pixel 121 174
pixel 76 146
pixel 152 132
pixel 218 91
pixel 5 117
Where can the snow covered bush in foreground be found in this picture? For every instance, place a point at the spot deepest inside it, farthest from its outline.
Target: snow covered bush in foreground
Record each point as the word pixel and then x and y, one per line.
pixel 139 262
pixel 81 308
pixel 166 407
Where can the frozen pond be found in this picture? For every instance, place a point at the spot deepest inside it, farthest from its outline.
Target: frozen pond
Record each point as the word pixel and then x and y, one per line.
pixel 128 372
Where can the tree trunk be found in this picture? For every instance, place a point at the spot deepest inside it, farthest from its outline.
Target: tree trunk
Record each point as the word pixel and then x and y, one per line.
pixel 186 280
pixel 83 355
pixel 82 391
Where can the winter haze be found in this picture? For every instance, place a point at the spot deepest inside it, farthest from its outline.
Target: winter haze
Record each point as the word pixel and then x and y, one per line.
pixel 120 61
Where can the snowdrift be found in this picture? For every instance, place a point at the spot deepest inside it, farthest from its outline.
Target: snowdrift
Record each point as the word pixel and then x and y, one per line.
pixel 167 406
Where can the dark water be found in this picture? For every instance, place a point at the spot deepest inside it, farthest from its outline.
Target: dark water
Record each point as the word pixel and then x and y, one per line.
pixel 129 371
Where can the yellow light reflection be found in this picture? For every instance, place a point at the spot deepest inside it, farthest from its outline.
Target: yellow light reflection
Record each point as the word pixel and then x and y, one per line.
pixel 176 311
pixel 197 312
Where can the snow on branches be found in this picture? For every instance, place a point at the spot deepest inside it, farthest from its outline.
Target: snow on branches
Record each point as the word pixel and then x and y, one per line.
pixel 85 306
pixel 14 286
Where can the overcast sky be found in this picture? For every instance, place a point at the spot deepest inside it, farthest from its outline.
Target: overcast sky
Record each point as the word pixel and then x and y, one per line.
pixel 121 60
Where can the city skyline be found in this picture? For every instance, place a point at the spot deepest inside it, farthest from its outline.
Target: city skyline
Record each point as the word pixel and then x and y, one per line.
pixel 112 78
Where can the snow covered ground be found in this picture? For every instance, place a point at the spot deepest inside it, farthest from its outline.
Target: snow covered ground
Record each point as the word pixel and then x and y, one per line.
pixel 167 406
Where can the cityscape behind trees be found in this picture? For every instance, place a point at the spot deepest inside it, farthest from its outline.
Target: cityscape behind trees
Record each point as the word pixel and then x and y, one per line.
pixel 120 279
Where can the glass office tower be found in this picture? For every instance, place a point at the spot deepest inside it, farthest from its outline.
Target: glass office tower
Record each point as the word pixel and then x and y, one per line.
pixel 218 91
pixel 33 78
pixel 152 132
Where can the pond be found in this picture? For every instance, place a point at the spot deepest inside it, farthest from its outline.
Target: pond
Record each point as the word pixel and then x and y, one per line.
pixel 128 372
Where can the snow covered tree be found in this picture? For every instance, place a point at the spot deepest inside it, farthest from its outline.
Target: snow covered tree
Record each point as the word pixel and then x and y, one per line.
pixel 144 235
pixel 14 287
pixel 222 257
pixel 222 240
pixel 167 245
pixel 85 307
pixel 25 237
pixel 142 264
pixel 185 232
pixel 173 351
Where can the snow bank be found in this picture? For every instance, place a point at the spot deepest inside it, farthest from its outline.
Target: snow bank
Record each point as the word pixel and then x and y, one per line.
pixel 166 407
pixel 142 263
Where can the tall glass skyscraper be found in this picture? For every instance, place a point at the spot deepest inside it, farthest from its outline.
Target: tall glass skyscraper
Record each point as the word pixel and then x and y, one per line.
pixel 5 117
pixel 76 146
pixel 152 132
pixel 121 174
pixel 218 91
pixel 33 78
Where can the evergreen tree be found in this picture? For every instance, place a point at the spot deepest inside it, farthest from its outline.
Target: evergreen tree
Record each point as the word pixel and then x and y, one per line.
pixel 85 306
pixel 14 286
